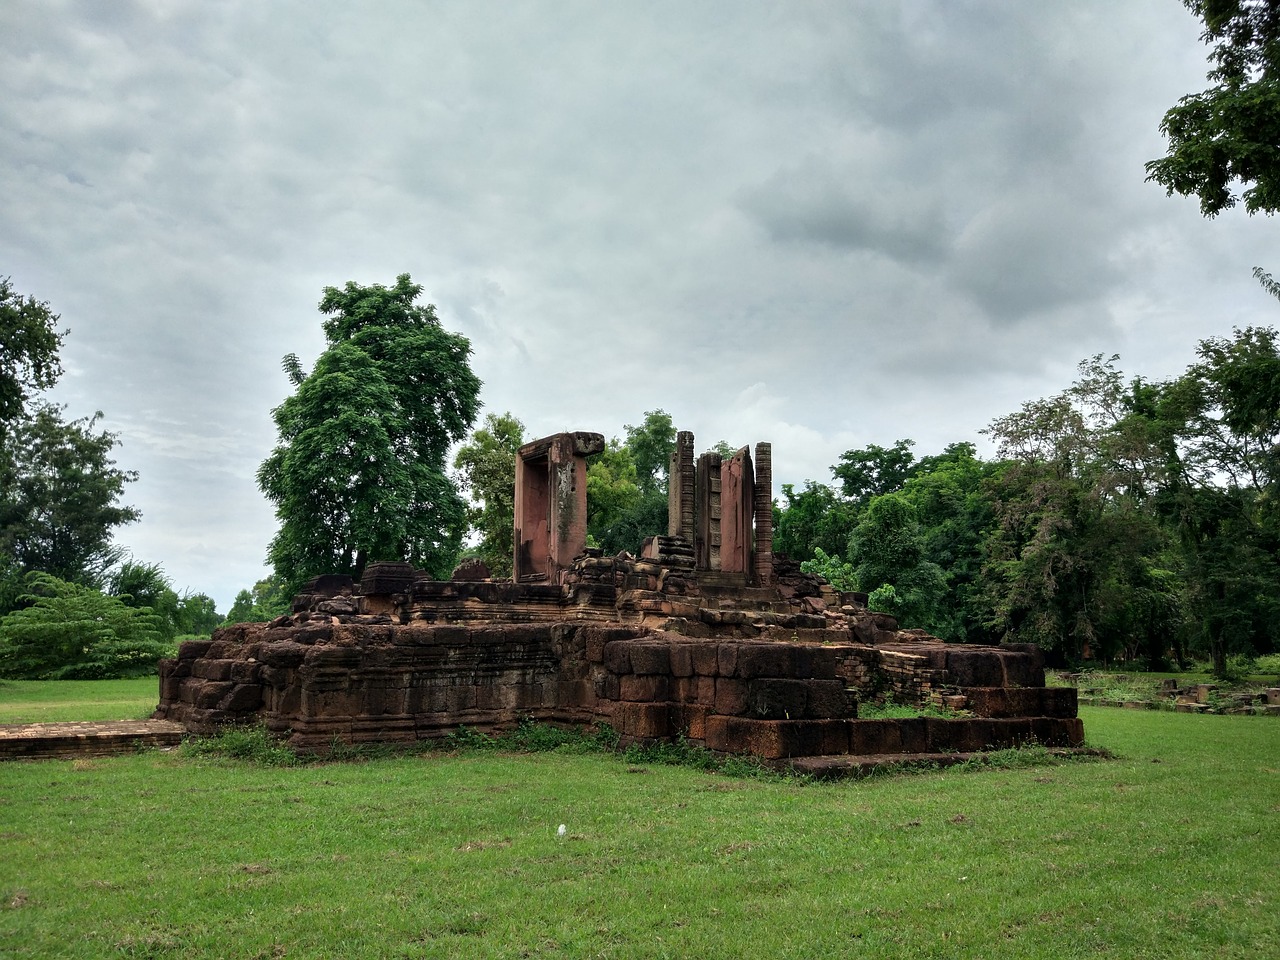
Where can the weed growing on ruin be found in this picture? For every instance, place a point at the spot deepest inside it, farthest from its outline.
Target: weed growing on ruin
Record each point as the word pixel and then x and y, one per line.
pixel 890 709
pixel 252 743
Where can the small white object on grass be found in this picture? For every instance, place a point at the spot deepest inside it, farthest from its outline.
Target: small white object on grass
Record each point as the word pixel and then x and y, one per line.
pixel 562 831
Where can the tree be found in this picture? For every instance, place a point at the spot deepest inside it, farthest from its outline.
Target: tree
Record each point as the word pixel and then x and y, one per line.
pixel 874 470
pixel 887 550
pixel 359 474
pixel 1220 423
pixel 1075 543
pixel 487 463
pixel 953 509
pixel 67 631
pixel 1230 133
pixel 627 485
pixel 61 493
pixel 815 518
pixel 832 569
pixel 267 600
pixel 651 445
pixel 29 343
pixel 145 585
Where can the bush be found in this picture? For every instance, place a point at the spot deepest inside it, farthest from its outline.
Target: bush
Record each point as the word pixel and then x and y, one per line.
pixel 66 631
pixel 252 743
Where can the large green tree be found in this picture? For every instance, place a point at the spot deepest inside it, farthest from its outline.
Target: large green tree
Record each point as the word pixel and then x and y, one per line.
pixel 1228 136
pixel 359 472
pixel 61 492
pixel 29 343
pixel 627 485
pixel 813 519
pixel 1075 543
pixel 487 464
pixel 1218 428
pixel 145 585
pixel 954 516
pixel 887 551
pixel 67 631
pixel 269 598
pixel 873 470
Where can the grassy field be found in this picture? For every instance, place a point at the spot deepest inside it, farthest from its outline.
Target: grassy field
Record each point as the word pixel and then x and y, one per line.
pixel 1168 851
pixel 44 701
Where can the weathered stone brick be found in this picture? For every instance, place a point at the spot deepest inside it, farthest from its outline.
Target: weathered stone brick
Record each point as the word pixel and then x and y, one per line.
pixel 731 697
pixel 645 721
pixel 650 658
pixel 193 649
pixel 643 688
pixel 242 698
pixel 617 656
pixel 706 659
pixel 212 669
pixel 681 660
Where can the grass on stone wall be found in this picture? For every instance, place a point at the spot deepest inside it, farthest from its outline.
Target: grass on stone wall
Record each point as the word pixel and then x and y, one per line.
pixel 1167 851
pixel 47 701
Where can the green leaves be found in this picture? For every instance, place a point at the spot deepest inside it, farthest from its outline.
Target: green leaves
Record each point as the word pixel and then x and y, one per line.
pixel 1230 133
pixel 487 463
pixel 71 632
pixel 359 472
pixel 60 491
pixel 29 343
pixel 627 485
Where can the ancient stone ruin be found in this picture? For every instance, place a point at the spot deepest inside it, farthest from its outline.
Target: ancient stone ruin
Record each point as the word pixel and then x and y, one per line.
pixel 704 634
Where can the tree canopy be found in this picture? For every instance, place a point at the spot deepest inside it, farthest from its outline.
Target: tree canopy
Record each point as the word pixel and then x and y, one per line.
pixel 627 485
pixel 358 474
pixel 61 492
pixel 66 631
pixel 487 465
pixel 1122 518
pixel 1228 136
pixel 29 344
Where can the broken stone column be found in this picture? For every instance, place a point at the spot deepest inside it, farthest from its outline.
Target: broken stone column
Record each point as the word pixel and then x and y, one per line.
pixel 551 504
pixel 737 513
pixel 764 513
pixel 680 488
pixel 706 543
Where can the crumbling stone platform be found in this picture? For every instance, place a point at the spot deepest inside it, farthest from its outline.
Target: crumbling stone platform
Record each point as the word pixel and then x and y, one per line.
pixel 704 634
pixel 42 741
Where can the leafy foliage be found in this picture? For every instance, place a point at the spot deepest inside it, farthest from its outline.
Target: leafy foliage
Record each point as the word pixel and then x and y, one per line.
pixel 1228 134
pixel 833 569
pixel 61 493
pixel 145 585
pixel 72 632
pixel 487 463
pixel 269 598
pixel 627 485
pixel 359 472
pixel 888 550
pixel 29 343
pixel 816 518
pixel 874 470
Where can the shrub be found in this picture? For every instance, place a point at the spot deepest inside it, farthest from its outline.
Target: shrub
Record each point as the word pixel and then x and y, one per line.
pixel 66 631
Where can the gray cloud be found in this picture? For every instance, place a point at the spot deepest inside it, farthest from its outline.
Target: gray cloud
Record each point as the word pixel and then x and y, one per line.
pixel 822 225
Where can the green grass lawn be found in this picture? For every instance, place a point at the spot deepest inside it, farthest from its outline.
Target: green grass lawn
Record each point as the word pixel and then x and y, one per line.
pixel 1169 851
pixel 44 701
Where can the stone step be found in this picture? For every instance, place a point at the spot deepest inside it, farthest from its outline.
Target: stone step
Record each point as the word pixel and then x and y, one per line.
pixel 840 766
pixel 42 741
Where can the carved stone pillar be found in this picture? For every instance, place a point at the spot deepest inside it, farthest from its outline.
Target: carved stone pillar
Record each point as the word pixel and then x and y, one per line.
pixel 551 504
pixel 764 513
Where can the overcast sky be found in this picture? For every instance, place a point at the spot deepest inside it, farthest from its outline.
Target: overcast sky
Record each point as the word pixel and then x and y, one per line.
pixel 817 224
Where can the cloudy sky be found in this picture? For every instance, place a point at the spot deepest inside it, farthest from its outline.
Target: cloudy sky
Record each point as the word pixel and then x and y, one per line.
pixel 818 224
